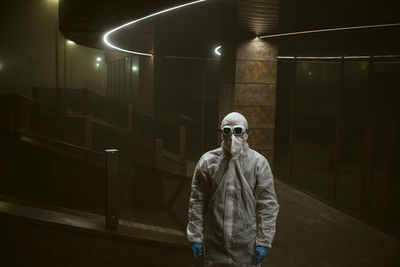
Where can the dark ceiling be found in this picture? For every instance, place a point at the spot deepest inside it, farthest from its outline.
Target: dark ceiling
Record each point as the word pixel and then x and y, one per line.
pixel 195 30
pixel 190 31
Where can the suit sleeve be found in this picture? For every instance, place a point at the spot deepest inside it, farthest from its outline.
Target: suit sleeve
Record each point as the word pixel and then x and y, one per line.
pixel 267 206
pixel 198 202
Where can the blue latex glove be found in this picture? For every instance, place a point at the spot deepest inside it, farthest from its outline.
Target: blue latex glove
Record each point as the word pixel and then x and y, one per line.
pixel 197 249
pixel 261 253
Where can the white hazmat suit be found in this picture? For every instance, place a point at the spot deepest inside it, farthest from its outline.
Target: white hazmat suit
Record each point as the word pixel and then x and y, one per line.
pixel 233 206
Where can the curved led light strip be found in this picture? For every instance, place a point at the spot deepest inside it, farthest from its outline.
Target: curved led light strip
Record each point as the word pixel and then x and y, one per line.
pixel 329 30
pixel 345 57
pixel 217 50
pixel 105 37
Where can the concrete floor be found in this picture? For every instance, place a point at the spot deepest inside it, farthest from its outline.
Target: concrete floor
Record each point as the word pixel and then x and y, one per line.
pixel 311 233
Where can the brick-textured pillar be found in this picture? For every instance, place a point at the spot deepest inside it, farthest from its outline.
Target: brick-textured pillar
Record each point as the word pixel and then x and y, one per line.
pixel 248 86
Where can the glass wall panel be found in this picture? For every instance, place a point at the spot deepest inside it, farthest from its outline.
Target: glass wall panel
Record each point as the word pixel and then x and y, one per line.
pixel 315 107
pixel 282 122
pixel 351 115
pixel 316 181
pixel 115 79
pixel 386 82
pixel 121 66
pixel 123 80
pixel 211 106
pixel 108 90
pixel 352 134
pixel 393 217
pixel 179 88
pixel 111 82
pixel 127 81
pixel 135 80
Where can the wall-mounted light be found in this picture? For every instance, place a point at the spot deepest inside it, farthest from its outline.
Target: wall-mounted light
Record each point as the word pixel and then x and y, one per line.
pixel 97 65
pixel 106 35
pixel 217 50
pixel 98 59
pixel 70 42
pixel 134 68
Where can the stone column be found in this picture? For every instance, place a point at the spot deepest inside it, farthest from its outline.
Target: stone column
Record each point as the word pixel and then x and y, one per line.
pixel 248 86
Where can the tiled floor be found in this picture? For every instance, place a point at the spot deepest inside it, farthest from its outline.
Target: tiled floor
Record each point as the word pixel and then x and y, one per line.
pixel 311 233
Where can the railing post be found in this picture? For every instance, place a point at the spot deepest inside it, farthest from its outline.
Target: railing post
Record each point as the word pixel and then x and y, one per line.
pixel 88 138
pixel 182 142
pixel 130 117
pixel 111 183
pixel 85 101
pixel 158 152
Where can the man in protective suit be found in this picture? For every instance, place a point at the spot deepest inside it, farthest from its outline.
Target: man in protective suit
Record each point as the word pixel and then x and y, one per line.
pixel 233 206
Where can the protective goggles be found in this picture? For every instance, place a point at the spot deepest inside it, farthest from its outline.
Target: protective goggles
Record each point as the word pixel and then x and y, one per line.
pixel 236 130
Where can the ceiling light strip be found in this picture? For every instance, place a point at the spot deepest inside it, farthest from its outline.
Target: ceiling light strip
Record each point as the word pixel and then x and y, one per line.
pixel 386 56
pixel 285 57
pixel 329 30
pixel 217 50
pixel 318 57
pixel 345 57
pixel 106 35
pixel 356 57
